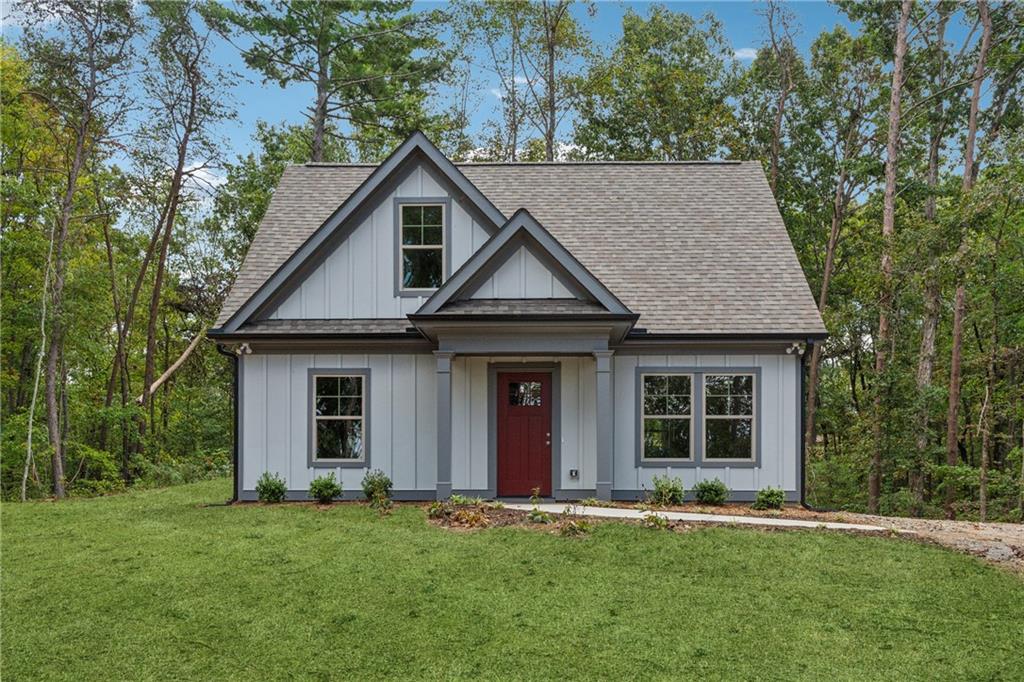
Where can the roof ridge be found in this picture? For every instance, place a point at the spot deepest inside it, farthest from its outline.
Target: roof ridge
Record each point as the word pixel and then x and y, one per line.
pixel 723 162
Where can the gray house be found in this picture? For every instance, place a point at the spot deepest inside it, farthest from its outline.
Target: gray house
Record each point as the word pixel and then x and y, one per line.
pixel 489 329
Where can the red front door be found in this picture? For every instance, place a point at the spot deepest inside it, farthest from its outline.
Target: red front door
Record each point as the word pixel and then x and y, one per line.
pixel 524 433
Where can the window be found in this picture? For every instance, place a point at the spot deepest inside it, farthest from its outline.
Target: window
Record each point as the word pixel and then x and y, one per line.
pixel 524 393
pixel 339 425
pixel 729 416
pixel 667 416
pixel 422 250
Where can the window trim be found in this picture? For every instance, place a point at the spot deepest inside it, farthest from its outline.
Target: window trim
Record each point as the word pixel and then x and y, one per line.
pixel 697 422
pixel 753 417
pixel 644 417
pixel 445 203
pixel 311 460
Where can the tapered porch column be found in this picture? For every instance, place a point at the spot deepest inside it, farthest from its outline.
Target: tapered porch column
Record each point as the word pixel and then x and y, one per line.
pixel 444 423
pixel 605 432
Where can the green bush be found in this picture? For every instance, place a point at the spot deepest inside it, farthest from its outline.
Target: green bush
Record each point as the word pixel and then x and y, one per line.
pixel 667 491
pixel 711 492
pixel 324 489
pixel 769 498
pixel 271 488
pixel 376 485
pixel 655 522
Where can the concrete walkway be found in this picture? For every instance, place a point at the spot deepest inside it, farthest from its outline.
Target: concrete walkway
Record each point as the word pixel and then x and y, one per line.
pixel 636 514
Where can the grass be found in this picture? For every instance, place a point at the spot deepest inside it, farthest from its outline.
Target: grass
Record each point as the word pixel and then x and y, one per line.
pixel 154 585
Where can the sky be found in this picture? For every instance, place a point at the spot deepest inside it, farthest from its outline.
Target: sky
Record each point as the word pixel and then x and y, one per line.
pixel 256 101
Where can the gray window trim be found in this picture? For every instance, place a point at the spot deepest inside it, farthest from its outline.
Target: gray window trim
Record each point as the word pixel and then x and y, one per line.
pixel 666 461
pixel 697 424
pixel 311 460
pixel 753 417
pixel 446 240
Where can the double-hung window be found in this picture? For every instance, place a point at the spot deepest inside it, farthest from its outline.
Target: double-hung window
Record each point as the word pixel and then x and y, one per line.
pixel 421 227
pixel 667 418
pixel 728 417
pixel 339 418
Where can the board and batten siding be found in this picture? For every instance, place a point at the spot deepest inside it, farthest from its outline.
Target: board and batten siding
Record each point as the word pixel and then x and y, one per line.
pixel 778 423
pixel 522 276
pixel 402 418
pixel 357 279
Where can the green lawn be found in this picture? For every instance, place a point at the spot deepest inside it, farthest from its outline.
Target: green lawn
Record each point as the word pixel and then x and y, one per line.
pixel 152 585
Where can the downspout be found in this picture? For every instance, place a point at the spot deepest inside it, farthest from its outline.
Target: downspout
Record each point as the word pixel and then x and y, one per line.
pixel 234 410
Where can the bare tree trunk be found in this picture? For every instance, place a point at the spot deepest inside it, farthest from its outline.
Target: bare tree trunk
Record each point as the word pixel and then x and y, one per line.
pixel 888 227
pixel 551 29
pixel 785 89
pixel 838 210
pixel 953 414
pixel 316 153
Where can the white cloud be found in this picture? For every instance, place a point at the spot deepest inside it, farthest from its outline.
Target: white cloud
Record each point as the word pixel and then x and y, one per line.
pixel 746 53
pixel 522 80
pixel 497 93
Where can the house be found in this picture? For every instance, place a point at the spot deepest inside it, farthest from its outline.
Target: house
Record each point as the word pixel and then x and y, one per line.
pixel 491 328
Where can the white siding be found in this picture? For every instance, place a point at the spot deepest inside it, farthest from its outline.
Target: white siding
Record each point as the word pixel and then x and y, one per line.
pixel 402 418
pixel 357 279
pixel 777 425
pixel 522 276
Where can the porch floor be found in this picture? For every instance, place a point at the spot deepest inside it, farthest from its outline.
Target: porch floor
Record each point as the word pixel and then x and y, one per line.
pixel 635 514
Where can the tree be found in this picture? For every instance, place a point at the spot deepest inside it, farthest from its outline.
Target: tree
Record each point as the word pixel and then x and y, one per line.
pixel 82 67
pixel 369 62
pixel 663 93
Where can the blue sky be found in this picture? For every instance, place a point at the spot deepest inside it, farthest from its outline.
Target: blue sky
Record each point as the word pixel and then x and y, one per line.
pixel 743 27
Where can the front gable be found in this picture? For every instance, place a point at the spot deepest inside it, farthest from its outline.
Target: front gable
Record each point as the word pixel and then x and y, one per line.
pixel 349 267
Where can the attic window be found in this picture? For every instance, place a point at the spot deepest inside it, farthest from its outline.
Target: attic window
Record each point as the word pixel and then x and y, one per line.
pixel 422 256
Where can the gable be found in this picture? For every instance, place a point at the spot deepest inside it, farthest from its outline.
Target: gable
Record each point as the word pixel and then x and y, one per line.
pixel 523 261
pixel 356 278
pixel 302 268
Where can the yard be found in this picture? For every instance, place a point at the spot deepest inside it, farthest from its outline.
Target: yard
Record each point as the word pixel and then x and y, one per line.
pixel 158 585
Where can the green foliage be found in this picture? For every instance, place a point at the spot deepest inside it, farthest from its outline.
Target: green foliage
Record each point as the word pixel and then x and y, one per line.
pixel 769 498
pixel 376 484
pixel 439 509
pixel 271 488
pixel 324 489
pixel 462 500
pixel 710 492
pixel 667 491
pixel 539 516
pixel 654 521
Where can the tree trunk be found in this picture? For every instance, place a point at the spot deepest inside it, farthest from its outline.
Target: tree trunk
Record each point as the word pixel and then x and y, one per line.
pixel 838 210
pixel 316 152
pixel 888 226
pixel 549 133
pixel 953 414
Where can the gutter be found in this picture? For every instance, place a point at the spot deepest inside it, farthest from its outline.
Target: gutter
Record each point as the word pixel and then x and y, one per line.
pixel 235 416
pixel 803 435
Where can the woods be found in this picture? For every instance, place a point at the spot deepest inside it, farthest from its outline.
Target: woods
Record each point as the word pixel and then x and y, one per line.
pixel 893 143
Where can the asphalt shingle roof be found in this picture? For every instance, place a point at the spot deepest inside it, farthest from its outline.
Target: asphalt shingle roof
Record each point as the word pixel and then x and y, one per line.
pixel 693 248
pixel 522 306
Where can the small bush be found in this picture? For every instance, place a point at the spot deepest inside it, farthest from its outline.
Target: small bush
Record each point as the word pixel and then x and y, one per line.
pixel 324 489
pixel 462 500
pixel 376 484
pixel 574 528
pixel 439 509
pixel 655 522
pixel 667 491
pixel 382 503
pixel 769 498
pixel 469 517
pixel 594 502
pixel 711 492
pixel 271 488
pixel 539 516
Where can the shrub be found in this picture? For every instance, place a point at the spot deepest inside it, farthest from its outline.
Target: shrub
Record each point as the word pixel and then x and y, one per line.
pixel 575 527
pixel 667 491
pixel 439 509
pixel 270 488
pixel 539 516
pixel 711 492
pixel 382 503
pixel 769 498
pixel 469 517
pixel 462 500
pixel 655 522
pixel 376 484
pixel 324 489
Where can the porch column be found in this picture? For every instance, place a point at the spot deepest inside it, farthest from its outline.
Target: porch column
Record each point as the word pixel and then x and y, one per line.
pixel 444 423
pixel 605 416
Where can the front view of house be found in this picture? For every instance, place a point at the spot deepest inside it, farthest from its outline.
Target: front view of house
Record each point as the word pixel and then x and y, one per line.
pixel 489 329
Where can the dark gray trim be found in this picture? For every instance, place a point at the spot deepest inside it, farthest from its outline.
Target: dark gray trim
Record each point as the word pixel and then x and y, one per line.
pixel 416 144
pixel 555 370
pixel 519 223
pixel 236 418
pixel 714 336
pixel 734 496
pixel 347 495
pixel 313 463
pixel 697 422
pixel 446 247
